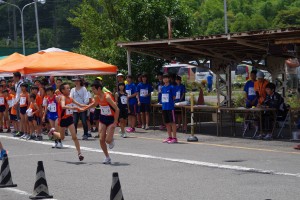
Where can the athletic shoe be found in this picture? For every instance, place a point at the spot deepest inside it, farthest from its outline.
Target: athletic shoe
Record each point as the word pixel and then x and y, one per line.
pixel 50 133
pixel 124 135
pixel 143 126
pixel 146 127
pixel 85 137
pixel 28 137
pixel 24 136
pixel 112 144
pixel 167 140
pixel 8 131
pixel 2 153
pixel 32 137
pixel 80 157
pixel 107 161
pixel 54 145
pixel 59 145
pixel 297 147
pixel 268 137
pixel 130 130
pixel 259 137
pixel 89 134
pixel 18 134
pixel 173 141
pixel 1 130
pixel 39 138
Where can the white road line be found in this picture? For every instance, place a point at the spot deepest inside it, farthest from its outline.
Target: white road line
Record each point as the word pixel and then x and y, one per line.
pixel 184 161
pixel 20 192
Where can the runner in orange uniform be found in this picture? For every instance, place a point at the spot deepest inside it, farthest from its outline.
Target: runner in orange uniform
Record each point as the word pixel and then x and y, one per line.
pixel 65 117
pixel 109 115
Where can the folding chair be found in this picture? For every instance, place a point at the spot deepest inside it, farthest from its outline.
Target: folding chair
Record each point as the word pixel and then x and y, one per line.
pixel 247 124
pixel 281 121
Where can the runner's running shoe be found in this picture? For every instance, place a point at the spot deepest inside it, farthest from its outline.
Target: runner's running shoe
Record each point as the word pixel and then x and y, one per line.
pixel 107 161
pixel 167 140
pixel 59 145
pixel 173 141
pixel 112 144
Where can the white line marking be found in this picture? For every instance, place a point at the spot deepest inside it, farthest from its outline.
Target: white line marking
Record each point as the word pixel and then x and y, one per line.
pixel 184 161
pixel 20 192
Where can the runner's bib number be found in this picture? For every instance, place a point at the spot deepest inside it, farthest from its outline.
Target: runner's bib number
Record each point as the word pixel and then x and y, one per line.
pixel 10 103
pixel 52 107
pixel 178 95
pixel 123 99
pixel 251 91
pixel 22 101
pixel 144 92
pixel 165 98
pixel 105 110
pixel 128 92
pixel 68 111
pixel 1 100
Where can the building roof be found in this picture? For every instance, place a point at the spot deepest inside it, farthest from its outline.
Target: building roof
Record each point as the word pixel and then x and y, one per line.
pixel 236 47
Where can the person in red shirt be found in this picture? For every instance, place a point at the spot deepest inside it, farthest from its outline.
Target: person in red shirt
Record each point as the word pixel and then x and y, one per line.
pixel 8 104
pixel 65 116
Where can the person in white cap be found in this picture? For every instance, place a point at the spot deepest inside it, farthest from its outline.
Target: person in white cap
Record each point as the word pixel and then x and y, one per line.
pixel 260 87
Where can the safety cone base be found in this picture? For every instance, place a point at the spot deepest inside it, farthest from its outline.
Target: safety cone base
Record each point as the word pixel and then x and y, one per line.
pixel 41 197
pixel 192 139
pixel 5 186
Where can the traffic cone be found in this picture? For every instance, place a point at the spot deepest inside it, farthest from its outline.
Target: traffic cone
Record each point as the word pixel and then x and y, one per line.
pixel 116 191
pixel 5 175
pixel 40 190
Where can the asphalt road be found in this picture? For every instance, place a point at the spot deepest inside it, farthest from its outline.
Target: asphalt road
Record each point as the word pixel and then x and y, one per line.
pixel 214 168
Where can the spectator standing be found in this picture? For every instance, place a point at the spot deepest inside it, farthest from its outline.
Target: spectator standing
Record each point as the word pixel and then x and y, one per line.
pixel 209 82
pixel 79 94
pixel 131 91
pixel 291 66
pixel 260 87
pixel 250 94
pixel 17 80
pixel 144 90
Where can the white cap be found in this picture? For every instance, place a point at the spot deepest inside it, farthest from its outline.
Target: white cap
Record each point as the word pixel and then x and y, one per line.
pixel 120 74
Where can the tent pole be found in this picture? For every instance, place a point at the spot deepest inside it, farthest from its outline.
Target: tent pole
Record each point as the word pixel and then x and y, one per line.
pixel 129 62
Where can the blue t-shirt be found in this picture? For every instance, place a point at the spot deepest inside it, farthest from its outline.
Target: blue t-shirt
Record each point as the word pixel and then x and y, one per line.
pixel 143 90
pixel 130 90
pixel 167 100
pixel 209 79
pixel 249 89
pixel 180 89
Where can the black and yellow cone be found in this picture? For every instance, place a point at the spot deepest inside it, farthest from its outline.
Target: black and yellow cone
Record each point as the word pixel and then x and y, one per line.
pixel 116 191
pixel 40 190
pixel 5 175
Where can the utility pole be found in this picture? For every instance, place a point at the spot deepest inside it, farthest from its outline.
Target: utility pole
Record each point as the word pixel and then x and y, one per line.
pixel 37 25
pixel 15 26
pixel 225 17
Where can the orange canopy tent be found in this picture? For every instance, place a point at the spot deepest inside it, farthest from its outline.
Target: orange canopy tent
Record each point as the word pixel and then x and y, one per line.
pixel 56 62
pixel 5 68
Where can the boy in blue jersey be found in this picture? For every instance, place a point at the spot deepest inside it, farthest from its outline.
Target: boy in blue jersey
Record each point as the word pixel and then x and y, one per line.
pixel 167 100
pixel 131 91
pixel 180 90
pixel 250 94
pixel 144 90
pixel 180 96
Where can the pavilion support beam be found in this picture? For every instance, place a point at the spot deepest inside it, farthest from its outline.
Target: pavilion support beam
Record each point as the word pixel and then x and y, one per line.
pixel 250 44
pixel 129 62
pixel 222 69
pixel 201 53
pixel 152 55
